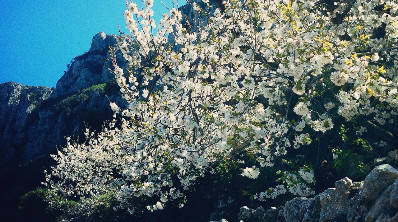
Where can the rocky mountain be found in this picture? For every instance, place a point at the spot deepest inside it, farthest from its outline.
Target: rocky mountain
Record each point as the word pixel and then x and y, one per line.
pixel 35 120
pixel 17 103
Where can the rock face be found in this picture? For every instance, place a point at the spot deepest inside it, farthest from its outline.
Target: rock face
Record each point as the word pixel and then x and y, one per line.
pixel 16 104
pixel 35 120
pixel 374 199
pixel 88 69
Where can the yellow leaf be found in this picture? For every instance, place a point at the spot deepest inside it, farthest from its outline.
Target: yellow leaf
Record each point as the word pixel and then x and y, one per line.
pixel 381 69
pixel 370 92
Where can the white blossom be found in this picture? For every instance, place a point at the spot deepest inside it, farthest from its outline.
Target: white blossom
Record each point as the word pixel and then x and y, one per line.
pixel 251 172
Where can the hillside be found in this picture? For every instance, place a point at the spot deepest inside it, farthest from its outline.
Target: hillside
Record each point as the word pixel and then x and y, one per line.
pixel 35 120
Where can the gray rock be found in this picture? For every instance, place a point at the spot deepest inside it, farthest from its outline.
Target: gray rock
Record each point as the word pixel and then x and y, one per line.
pixel 384 209
pixel 394 195
pixel 245 213
pixel 387 218
pixel 248 214
pixel 344 185
pixel 17 102
pixel 381 177
pixel 102 41
pixel 91 68
pixel 259 214
pixel 335 201
pixel 313 211
pixel 379 161
pixel 392 158
pixel 36 119
pixel 381 207
pixel 296 209
pixel 357 185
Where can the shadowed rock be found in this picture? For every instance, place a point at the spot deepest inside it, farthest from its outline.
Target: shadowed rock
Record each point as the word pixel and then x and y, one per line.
pixel 375 199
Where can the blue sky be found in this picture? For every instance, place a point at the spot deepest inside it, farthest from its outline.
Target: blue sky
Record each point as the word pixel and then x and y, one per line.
pixel 38 38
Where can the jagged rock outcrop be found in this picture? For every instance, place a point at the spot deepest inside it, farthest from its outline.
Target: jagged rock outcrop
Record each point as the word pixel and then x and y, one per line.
pixel 88 69
pixel 374 199
pixel 36 119
pixel 17 102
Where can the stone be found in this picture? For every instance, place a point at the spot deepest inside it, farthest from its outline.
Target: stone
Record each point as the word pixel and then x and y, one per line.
pixel 248 214
pixel 245 213
pixel 313 211
pixel 381 206
pixel 387 218
pixel 102 41
pixel 296 208
pixel 357 185
pixel 335 201
pixel 379 161
pixel 344 184
pixel 392 156
pixel 91 68
pixel 378 179
pixel 394 195
pixel 17 103
pixel 259 214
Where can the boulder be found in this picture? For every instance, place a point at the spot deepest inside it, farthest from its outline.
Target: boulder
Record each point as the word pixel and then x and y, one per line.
pixel 394 195
pixel 335 201
pixel 259 214
pixel 296 209
pixel 378 180
pixel 374 199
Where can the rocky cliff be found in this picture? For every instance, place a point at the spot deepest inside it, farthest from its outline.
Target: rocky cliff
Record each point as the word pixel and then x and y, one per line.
pixel 17 103
pixel 36 120
pixel 88 69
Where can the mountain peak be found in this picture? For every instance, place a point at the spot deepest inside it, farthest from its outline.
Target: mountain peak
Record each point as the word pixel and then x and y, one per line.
pixel 102 41
pixel 88 69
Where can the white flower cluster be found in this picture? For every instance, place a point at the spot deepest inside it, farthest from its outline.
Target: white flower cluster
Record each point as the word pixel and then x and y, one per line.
pixel 295 184
pixel 301 109
pixel 302 139
pixel 248 79
pixel 251 173
pixel 307 175
pixel 271 193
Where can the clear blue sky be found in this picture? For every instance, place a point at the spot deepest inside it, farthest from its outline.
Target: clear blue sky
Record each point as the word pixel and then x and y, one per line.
pixel 38 38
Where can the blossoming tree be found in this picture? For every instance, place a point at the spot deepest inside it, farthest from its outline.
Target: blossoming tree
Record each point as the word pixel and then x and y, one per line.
pixel 258 84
